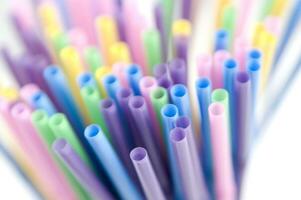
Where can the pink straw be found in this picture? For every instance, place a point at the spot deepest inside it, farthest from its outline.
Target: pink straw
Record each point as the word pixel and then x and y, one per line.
pixel 78 39
pixel 273 24
pixel 104 7
pixel 241 48
pixel 27 91
pixel 204 65
pixel 119 71
pixel 21 115
pixel 219 58
pixel 221 153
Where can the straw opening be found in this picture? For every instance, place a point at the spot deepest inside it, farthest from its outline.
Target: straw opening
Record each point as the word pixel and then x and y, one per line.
pixel 89 90
pixel 37 96
pixel 158 93
pixel 124 92
pixel 169 110
pixel 255 54
pixel 59 144
pixel 216 109
pixel 219 95
pixel 39 115
pixel 254 65
pixel 57 119
pixel 183 122
pixel 136 102
pixel 110 79
pixel 203 83
pixel 106 103
pixel 177 134
pixel 242 77
pixel 138 154
pixel 133 69
pixel 179 90
pixel 148 82
pixel 230 63
pixel 92 130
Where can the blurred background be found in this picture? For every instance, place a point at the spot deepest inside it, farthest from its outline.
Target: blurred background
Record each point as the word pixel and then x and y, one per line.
pixel 274 169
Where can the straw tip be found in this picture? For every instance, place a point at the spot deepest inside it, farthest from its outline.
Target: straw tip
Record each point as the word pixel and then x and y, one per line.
pixel 92 131
pixel 169 110
pixel 138 154
pixel 178 90
pixel 177 134
pixel 203 83
pixel 216 109
pixel 59 144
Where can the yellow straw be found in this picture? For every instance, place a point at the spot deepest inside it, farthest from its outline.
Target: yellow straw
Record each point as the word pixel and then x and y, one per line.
pixel 119 52
pixel 107 35
pixel 181 27
pixel 100 73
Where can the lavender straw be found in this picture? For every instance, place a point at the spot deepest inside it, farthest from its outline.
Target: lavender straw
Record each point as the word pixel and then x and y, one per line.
pixel 141 117
pixel 179 140
pixel 146 174
pixel 178 71
pixel 79 169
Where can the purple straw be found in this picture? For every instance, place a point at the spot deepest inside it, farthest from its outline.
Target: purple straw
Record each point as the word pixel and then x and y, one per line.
pixel 186 7
pixel 141 117
pixel 181 47
pixel 159 19
pixel 178 71
pixel 146 174
pixel 80 170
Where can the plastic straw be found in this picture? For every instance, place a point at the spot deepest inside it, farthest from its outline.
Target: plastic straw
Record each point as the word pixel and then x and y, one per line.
pixel 219 58
pixel 91 99
pixel 59 88
pixel 119 52
pixel 221 153
pixel 86 79
pixel 93 58
pixel 169 114
pixel 203 90
pixel 241 48
pixel 111 84
pixel 185 124
pixel 221 40
pixel 134 75
pixel 40 100
pixel 80 170
pixel 27 91
pixel 146 174
pixel 183 156
pixel 111 163
pixel 204 66
pixel 178 71
pixel 141 117
pixel 180 97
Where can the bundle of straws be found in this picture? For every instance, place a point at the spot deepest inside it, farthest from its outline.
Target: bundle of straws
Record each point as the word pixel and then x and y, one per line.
pixel 111 106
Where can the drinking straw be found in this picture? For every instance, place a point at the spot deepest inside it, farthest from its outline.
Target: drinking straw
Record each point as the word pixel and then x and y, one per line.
pixel 118 69
pixel 134 74
pixel 180 97
pixel 293 20
pixel 84 20
pixel 40 120
pixel 181 35
pixel 221 153
pixel 146 174
pixel 86 79
pixel 178 71
pixel 107 35
pixel 27 91
pixel 152 48
pixel 204 66
pixel 93 58
pixel 109 110
pixel 219 12
pixel 160 24
pixel 165 81
pixel 141 117
pixel 72 66
pixel 147 84
pixel 40 100
pixel 168 6
pixel 111 163
pixel 169 113
pixel 160 70
pixel 91 99
pixel 119 52
pixel 46 167
pixel 179 140
pixel 219 58
pixel 221 40
pixel 63 12
pixel 59 41
pixel 59 87
pixel 241 48
pixel 80 170
pixel 185 124
pixel 159 98
pixel 186 9
pixel 230 70
pixel 229 20
pixel 203 90
pixel 243 101
pixel 111 84
pixel 99 75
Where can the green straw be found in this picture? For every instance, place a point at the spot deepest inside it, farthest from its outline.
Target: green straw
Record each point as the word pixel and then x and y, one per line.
pixel 40 120
pixel 159 98
pixel 92 99
pixel 93 58
pixel 267 8
pixel 228 21
pixel 60 41
pixel 61 128
pixel 222 96
pixel 152 47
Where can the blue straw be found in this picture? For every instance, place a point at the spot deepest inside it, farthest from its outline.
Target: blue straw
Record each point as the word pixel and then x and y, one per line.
pixel 180 97
pixel 60 89
pixel 203 90
pixel 111 163
pixel 112 85
pixel 253 67
pixel 169 114
pixel 86 79
pixel 40 100
pixel 134 74
pixel 221 40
